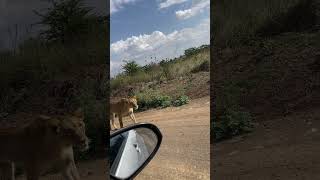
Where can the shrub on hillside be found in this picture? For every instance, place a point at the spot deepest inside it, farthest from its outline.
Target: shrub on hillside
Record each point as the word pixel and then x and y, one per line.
pixel 232 123
pixel 131 67
pixel 230 118
pixel 162 101
pixel 181 100
pixel 154 99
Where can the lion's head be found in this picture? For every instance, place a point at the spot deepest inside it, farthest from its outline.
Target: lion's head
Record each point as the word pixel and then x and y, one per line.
pixel 70 129
pixel 132 102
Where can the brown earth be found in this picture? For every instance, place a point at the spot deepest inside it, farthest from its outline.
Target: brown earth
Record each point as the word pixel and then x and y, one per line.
pixel 271 77
pixel 184 152
pixel 278 149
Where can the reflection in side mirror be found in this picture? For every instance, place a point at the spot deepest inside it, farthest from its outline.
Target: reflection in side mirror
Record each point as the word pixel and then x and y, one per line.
pixel 132 149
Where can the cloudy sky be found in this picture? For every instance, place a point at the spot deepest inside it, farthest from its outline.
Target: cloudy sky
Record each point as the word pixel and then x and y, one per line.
pixel 141 29
pixel 19 13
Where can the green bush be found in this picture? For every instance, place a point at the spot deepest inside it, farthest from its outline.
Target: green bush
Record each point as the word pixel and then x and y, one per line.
pixel 154 99
pixel 232 123
pixel 162 101
pixel 230 118
pixel 181 100
pixel 131 67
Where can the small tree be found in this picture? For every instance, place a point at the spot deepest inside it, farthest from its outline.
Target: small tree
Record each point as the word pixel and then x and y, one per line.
pixel 65 21
pixel 190 51
pixel 131 67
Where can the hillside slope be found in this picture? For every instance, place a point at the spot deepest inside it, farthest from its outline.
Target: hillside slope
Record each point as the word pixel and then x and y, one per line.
pixel 271 77
pixel 278 81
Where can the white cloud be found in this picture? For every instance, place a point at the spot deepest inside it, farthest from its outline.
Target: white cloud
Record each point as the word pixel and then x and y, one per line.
pixel 169 3
pixel 158 44
pixel 116 5
pixel 197 7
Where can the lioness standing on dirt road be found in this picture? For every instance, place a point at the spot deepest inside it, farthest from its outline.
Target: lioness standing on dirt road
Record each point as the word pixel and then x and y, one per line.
pixel 123 108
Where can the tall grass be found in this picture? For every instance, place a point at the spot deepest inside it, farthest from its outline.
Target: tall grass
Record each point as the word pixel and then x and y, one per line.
pixel 236 21
pixel 165 70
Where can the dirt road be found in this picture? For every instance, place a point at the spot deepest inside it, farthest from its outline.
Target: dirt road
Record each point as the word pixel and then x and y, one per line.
pixel 184 153
pixel 279 149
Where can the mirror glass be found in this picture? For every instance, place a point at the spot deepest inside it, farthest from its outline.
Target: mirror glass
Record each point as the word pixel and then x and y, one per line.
pixel 130 150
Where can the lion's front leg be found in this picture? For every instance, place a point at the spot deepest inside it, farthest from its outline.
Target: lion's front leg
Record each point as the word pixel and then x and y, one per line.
pixel 74 171
pixel 112 122
pixel 71 172
pixel 133 117
pixel 120 120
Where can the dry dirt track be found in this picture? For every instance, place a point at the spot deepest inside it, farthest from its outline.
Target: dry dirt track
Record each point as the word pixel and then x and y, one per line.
pixel 279 149
pixel 185 149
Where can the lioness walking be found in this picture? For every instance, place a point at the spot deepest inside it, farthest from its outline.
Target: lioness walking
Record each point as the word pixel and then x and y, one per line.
pixel 124 107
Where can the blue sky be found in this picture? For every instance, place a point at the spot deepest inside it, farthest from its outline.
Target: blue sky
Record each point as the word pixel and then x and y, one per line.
pixel 141 29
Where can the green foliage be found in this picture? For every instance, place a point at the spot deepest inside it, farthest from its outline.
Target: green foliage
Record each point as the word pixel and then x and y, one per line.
pixel 232 123
pixel 161 101
pixel 153 99
pixel 181 100
pixel 230 118
pixel 131 67
pixel 194 50
pixel 66 20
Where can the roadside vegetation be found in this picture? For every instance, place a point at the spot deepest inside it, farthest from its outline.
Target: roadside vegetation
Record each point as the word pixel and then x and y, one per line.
pixel 248 38
pixel 60 70
pixel 151 76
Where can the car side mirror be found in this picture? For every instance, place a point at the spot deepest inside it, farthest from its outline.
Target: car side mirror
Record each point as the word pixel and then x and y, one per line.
pixel 132 148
